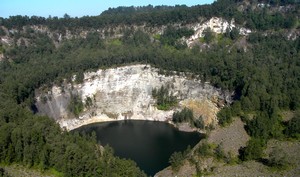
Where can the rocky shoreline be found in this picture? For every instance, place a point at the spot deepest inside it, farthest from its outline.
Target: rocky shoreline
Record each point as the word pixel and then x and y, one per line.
pixel 126 93
pixel 72 124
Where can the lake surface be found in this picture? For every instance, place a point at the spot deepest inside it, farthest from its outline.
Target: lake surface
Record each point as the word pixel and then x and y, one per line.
pixel 150 144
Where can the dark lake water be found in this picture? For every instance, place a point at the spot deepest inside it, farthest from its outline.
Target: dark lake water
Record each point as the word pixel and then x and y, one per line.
pixel 148 143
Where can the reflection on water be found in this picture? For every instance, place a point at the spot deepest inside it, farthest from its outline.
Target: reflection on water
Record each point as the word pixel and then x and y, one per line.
pixel 148 143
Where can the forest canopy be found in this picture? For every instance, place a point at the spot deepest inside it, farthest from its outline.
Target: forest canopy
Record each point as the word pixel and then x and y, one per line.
pixel 265 78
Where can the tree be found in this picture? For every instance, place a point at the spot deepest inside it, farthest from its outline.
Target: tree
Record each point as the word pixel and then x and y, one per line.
pixel 205 149
pixel 199 123
pixel 253 150
pixel 278 158
pixel 224 116
pixel 293 127
pixel 3 173
pixel 172 35
pixel 208 35
pixel 219 151
pixel 66 16
pixel 234 33
pixel 267 75
pixel 79 77
pixel 236 108
pixel 164 98
pixel 185 115
pixel 246 104
pixel 176 160
pixel 75 106
pixel 88 102
pixel 2 32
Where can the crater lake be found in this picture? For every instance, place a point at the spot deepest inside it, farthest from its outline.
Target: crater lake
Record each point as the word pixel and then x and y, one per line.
pixel 149 143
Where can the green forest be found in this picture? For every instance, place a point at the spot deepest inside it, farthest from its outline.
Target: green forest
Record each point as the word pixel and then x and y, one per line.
pixel 265 78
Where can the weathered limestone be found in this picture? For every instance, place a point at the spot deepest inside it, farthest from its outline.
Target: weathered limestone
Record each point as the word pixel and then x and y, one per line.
pixel 216 25
pixel 124 93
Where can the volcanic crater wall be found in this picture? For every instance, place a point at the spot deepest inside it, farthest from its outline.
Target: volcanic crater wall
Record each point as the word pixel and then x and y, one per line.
pixel 126 93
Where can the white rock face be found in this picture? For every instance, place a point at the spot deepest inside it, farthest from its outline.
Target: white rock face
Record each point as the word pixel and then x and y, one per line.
pixel 217 25
pixel 121 93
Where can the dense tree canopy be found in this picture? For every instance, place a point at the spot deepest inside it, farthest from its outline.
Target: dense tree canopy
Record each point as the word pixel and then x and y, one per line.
pixel 264 78
pixel 255 18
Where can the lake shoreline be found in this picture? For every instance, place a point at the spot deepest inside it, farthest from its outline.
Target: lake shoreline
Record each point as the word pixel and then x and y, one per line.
pixel 72 124
pixel 149 143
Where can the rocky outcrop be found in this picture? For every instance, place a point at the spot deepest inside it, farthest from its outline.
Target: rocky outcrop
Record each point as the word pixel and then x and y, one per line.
pixel 216 25
pixel 124 93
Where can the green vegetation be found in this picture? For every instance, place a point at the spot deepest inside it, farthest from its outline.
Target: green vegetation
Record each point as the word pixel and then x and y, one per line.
pixel 278 159
pixel 177 159
pixel 2 32
pixel 88 102
pixel 264 78
pixel 172 35
pixel 205 149
pixel 225 116
pixel 293 127
pixel 3 173
pixel 2 50
pixel 76 106
pixel 186 115
pixel 255 18
pixel 208 35
pixel 164 99
pixel 253 150
pixel 38 142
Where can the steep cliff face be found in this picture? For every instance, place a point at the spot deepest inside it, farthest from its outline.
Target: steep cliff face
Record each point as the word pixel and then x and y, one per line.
pixel 216 24
pixel 125 93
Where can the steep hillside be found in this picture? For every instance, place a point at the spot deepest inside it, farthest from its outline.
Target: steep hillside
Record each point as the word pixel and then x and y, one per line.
pixel 176 31
pixel 249 48
pixel 223 16
pixel 126 93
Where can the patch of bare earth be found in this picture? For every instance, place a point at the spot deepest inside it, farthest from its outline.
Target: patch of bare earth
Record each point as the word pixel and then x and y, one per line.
pixel 250 168
pixel 185 171
pixel 21 171
pixel 287 115
pixel 253 168
pixel 232 137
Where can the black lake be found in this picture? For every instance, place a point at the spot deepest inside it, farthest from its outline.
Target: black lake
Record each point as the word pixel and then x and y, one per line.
pixel 148 143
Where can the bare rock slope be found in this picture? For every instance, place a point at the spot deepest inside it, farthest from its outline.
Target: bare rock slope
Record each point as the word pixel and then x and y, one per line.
pixel 125 93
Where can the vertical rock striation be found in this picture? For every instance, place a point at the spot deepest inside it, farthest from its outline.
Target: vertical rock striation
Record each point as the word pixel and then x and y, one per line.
pixel 123 93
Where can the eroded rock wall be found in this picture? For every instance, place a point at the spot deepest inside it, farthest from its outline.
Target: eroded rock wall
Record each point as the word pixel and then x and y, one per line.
pixel 216 25
pixel 123 93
